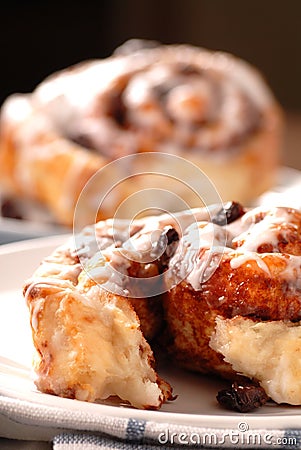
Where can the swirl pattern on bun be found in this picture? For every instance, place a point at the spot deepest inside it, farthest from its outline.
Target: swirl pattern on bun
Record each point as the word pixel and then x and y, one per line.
pixel 208 107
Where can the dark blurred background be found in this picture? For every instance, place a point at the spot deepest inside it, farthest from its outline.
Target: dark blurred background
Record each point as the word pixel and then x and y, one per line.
pixel 40 37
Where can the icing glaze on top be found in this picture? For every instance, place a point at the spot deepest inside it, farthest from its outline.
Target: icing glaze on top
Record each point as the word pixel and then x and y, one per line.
pixel 105 253
pixel 255 236
pixel 179 96
pixel 108 252
pixel 268 226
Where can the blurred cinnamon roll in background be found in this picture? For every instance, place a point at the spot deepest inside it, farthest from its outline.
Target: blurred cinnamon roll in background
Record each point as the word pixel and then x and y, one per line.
pixel 210 108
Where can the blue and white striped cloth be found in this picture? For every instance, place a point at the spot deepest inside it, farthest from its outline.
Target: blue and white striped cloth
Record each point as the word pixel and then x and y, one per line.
pixel 77 429
pixel 138 434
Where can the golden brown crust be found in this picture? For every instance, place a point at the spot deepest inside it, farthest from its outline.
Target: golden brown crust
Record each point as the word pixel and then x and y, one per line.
pixel 246 291
pixel 255 276
pixel 189 325
pixel 56 169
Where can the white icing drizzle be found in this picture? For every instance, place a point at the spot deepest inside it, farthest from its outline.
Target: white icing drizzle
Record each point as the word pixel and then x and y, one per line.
pixel 203 248
pixel 239 259
pixel 292 271
pixel 52 286
pixel 108 265
pixel 172 98
pixel 224 91
pixel 35 309
pixel 107 251
pixel 199 254
pixel 17 108
pixel 63 271
pixel 267 230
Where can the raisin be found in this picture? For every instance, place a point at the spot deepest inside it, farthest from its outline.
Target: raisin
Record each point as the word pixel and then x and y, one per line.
pixel 229 213
pixel 10 209
pixel 242 396
pixel 83 140
pixel 117 109
pixel 166 246
pixel 189 69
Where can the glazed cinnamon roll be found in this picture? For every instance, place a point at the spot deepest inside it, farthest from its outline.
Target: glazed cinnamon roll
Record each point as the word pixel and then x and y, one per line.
pixel 102 290
pixel 218 290
pixel 238 312
pixel 87 335
pixel 208 107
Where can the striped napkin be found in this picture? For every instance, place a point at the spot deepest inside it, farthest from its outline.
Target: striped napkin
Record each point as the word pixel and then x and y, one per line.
pixel 137 434
pixel 76 429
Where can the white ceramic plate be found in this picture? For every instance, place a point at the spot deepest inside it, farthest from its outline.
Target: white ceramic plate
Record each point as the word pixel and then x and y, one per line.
pixel 196 404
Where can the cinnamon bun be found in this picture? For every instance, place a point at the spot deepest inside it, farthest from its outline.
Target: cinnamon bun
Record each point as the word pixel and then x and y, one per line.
pixel 210 108
pixel 219 290
pixel 238 311
pixel 103 290
pixel 88 340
